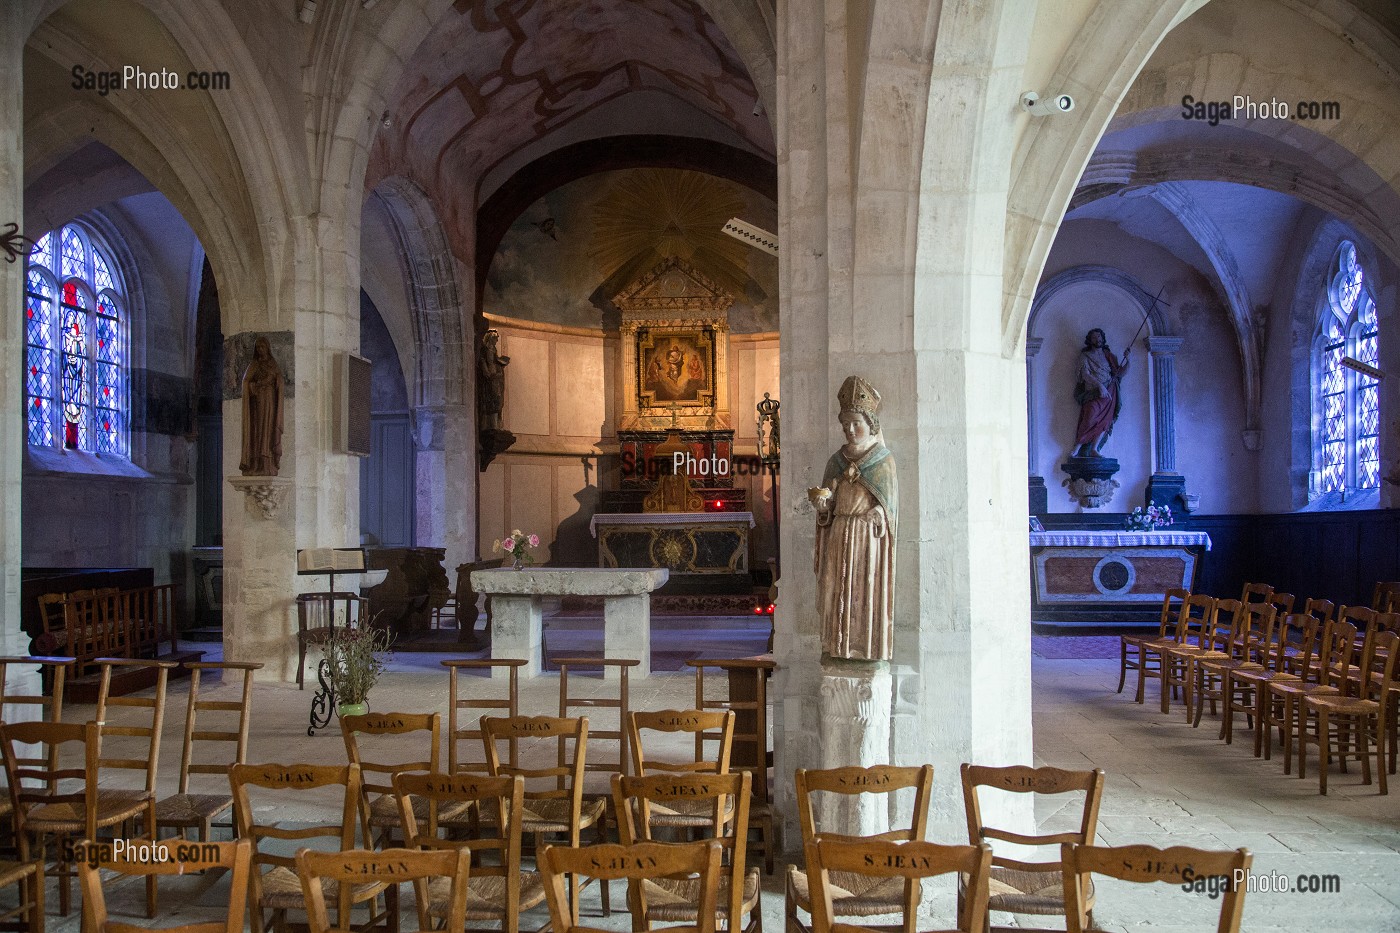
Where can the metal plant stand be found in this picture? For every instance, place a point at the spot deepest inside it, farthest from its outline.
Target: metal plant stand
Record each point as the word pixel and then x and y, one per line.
pixel 323 703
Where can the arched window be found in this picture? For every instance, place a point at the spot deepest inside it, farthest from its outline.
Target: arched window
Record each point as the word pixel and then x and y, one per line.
pixel 1348 401
pixel 76 344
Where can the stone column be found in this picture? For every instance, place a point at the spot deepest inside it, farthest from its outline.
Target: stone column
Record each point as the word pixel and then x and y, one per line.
pixel 856 704
pixel 1039 495
pixel 1166 484
pixel 13 641
pixel 445 468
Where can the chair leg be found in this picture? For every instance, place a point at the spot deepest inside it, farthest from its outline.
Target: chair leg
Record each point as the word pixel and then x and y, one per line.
pixel 1122 664
pixel 151 879
pixel 301 664
pixel 1324 750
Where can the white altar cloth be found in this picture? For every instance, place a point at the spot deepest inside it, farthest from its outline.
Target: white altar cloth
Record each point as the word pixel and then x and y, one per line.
pixel 1120 539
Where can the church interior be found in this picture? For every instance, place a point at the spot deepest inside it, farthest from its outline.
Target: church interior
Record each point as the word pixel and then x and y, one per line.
pixel 330 316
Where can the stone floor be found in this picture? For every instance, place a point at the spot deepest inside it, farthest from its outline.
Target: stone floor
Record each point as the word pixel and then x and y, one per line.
pixel 1168 784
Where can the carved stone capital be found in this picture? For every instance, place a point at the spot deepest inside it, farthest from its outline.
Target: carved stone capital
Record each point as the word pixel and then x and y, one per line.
pixel 265 494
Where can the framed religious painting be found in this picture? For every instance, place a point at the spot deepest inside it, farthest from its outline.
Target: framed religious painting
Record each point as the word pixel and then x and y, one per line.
pixel 676 367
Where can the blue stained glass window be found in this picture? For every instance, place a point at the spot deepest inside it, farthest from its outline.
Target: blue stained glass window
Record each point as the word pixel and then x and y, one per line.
pixel 1348 400
pixel 75 354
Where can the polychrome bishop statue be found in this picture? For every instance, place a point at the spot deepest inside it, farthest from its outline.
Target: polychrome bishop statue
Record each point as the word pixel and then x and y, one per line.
pixel 857 505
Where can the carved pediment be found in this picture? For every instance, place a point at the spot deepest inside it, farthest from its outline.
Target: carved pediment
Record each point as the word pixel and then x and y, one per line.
pixel 673 285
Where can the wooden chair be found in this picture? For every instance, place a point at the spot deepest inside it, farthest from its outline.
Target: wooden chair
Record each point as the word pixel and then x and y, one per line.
pixel 498 889
pixel 675 901
pixel 882 863
pixel 464 726
pixel 274 884
pixel 1361 719
pixel 325 875
pixel 1386 597
pixel 234 857
pixel 53 672
pixel 183 810
pixel 1321 609
pixel 858 896
pixel 145 725
pixel 1133 650
pixel 377 774
pixel 1244 684
pixel 320 614
pixel 1282 603
pixel 672 722
pixel 43 807
pixel 1195 632
pixel 695 864
pixel 23 870
pixel 554 801
pixel 1256 592
pixel 747 696
pixel 569 704
pixel 1283 695
pixel 1251 643
pixel 1020 887
pixel 1177 866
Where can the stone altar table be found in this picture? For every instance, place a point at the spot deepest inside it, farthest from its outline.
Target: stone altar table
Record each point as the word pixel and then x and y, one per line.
pixel 517 629
pixel 1081 575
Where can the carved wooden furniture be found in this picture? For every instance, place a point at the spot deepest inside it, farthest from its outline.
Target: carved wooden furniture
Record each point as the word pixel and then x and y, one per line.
pixel 1148 864
pixel 318 615
pixel 675 901
pixel 747 681
pixel 1031 887
pixel 274 884
pixel 338 876
pixel 1283 696
pixel 1195 632
pixel 882 863
pixel 23 870
pixel 1131 651
pixel 1250 641
pixel 235 857
pixel 554 801
pixel 1350 726
pixel 1244 685
pixel 851 895
pixel 463 727
pixel 697 862
pixel 672 721
pixel 498 889
pixel 53 673
pixel 363 741
pixel 183 810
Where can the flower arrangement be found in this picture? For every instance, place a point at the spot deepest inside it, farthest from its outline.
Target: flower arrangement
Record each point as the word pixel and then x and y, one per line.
pixel 1149 519
pixel 518 545
pixel 356 657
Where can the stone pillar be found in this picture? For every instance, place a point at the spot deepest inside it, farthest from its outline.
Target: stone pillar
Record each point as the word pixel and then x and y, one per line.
pixel 627 633
pixel 13 641
pixel 856 704
pixel 1166 484
pixel 517 631
pixel 1039 495
pixel 445 468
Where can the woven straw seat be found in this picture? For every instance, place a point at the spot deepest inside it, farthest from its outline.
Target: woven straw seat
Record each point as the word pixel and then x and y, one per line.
pixel 673 900
pixel 191 809
pixel 852 895
pixel 384 812
pixel 1031 892
pixel 552 815
pixel 486 895
pixel 72 818
pixel 281 890
pixel 13 872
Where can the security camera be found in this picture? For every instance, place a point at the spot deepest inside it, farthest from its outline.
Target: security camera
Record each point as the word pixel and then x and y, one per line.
pixel 1031 102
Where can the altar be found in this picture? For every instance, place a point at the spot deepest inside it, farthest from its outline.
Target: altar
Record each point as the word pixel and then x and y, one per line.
pixel 1102 576
pixel 702 550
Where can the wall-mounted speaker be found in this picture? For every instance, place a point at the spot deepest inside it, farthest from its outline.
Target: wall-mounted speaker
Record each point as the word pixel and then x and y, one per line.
pixel 352 417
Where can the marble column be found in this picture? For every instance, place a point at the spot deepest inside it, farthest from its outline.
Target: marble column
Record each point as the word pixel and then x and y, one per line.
pixel 1166 484
pixel 446 472
pixel 13 641
pixel 1039 499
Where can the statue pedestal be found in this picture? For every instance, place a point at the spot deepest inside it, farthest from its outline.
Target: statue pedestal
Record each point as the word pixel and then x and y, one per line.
pixel 1091 481
pixel 1165 489
pixel 856 704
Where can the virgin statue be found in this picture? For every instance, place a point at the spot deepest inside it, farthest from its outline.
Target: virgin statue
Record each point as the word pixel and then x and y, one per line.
pixel 262 413
pixel 857 506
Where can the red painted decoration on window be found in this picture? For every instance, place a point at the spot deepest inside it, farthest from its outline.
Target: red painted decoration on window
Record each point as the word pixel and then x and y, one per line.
pixel 70 293
pixel 37 402
pixel 70 435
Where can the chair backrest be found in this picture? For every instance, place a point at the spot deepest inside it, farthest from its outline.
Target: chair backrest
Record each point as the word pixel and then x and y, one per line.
pixel 526 731
pixel 1386 597
pixel 197 704
pixel 495 840
pixel 1340 651
pixel 1231 625
pixel 674 721
pixel 875 779
pixel 463 711
pixel 172 857
pixel 376 773
pixel 1256 593
pixel 1195 622
pixel 145 725
pixel 911 861
pixel 748 698
pixel 390 867
pixel 1022 779
pixel 289 778
pixel 569 704
pixel 1282 602
pixel 1256 630
pixel 329 610
pixel 53 675
pixel 641 862
pixel 35 780
pixel 1360 616
pixel 1213 871
pixel 1323 609
pixel 1171 610
pixel 1378 667
pixel 51 611
pixel 634 796
pixel 1301 626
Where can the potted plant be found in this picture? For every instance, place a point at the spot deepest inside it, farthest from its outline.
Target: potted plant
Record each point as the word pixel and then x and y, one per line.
pixel 356 657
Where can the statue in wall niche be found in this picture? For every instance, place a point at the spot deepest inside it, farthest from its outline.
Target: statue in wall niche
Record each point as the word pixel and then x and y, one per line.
pixel 491 388
pixel 262 413
pixel 1097 392
pixel 857 505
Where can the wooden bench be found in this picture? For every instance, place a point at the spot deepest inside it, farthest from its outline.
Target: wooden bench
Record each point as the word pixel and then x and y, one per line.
pixel 137 623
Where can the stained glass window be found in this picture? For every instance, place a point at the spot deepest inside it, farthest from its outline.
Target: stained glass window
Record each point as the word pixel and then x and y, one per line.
pixel 1348 401
pixel 76 362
